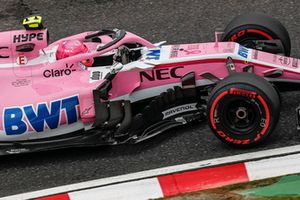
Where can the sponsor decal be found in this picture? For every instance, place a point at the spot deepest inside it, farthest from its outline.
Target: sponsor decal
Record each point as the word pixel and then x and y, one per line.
pixel 20 82
pixel 59 72
pixel 153 54
pixel 160 74
pixel 40 117
pixel 241 92
pixel 295 63
pixel 27 37
pixel 255 54
pixel 193 46
pixel 174 51
pixel 97 75
pixel 284 60
pixel 243 51
pixel 86 111
pixel 21 60
pixel 191 51
pixel 229 139
pixel 1 56
pixel 237 35
pixel 179 109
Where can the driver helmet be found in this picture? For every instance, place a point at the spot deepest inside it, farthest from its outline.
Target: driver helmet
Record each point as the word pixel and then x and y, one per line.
pixel 70 48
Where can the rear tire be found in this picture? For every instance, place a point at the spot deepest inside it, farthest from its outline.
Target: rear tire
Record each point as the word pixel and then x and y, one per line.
pixel 255 26
pixel 243 110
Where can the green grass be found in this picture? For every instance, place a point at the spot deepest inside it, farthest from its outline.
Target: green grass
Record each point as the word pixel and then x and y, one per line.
pixel 235 192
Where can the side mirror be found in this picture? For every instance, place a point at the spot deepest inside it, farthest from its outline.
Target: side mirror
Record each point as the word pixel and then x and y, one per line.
pixel 25 47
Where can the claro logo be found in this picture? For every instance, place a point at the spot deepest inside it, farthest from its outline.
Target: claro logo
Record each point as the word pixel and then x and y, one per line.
pixel 160 74
pixel 59 72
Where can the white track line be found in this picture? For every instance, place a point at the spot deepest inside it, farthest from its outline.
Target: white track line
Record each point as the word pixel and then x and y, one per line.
pixel 136 190
pixel 273 167
pixel 156 172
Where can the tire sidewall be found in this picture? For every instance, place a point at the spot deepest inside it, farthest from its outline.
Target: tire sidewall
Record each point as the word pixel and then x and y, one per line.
pixel 235 139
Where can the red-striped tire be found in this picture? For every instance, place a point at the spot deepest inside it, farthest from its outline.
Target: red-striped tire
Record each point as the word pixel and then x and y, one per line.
pixel 243 109
pixel 256 26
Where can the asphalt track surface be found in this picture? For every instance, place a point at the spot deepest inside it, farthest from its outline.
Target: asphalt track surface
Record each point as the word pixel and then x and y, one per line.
pixel 176 21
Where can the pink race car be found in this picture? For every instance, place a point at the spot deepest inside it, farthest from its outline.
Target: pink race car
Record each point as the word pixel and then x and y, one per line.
pixel 111 86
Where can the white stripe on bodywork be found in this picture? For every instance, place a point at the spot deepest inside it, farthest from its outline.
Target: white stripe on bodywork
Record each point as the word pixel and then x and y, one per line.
pixel 40 60
pixel 45 56
pixel 193 58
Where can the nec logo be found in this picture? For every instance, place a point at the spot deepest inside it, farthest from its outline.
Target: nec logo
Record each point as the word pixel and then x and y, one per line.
pixel 27 37
pixel 18 119
pixel 160 74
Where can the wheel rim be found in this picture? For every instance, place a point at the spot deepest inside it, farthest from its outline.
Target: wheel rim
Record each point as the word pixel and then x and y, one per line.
pixel 240 115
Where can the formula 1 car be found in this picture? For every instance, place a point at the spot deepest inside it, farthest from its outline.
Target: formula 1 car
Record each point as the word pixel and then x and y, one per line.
pixel 111 87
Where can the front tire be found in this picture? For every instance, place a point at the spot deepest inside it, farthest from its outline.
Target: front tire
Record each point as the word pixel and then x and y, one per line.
pixel 243 110
pixel 246 28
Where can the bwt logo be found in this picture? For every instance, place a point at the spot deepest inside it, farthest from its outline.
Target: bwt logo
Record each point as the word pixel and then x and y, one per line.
pixel 243 51
pixel 41 117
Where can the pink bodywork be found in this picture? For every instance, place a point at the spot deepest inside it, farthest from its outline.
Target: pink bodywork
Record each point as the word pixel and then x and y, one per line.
pixel 11 39
pixel 33 83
